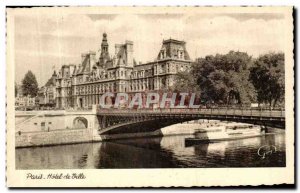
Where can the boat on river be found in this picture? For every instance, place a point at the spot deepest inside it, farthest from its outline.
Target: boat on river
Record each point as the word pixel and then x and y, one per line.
pixel 224 133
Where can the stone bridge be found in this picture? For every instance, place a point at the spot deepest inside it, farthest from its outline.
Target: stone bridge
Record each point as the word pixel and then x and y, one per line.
pixel 116 121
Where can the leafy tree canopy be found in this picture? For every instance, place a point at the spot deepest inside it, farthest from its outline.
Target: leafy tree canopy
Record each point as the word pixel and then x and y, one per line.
pixel 30 85
pixel 267 76
pixel 223 79
pixel 185 82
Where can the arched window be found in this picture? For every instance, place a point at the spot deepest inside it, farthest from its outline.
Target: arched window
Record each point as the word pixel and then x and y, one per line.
pixel 80 123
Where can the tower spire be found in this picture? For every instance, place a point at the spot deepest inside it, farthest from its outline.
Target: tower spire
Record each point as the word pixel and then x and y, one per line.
pixel 104 55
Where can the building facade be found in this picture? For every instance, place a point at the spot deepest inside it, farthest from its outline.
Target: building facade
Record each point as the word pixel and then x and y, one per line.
pixel 81 86
pixel 23 102
pixel 47 93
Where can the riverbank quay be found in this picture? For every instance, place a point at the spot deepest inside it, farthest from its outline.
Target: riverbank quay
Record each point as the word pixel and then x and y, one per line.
pixel 44 128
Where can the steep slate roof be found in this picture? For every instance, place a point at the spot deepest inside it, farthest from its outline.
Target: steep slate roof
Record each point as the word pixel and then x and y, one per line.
pixel 50 82
pixel 121 56
pixel 85 66
pixel 171 46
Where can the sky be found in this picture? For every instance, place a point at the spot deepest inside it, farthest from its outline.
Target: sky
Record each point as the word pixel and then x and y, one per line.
pixel 44 43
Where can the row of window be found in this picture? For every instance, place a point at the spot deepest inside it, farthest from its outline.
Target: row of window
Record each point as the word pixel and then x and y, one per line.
pixel 158 69
pixel 176 54
pixel 118 74
pixel 95 89
pixel 63 83
pixel 43 123
pixel 135 86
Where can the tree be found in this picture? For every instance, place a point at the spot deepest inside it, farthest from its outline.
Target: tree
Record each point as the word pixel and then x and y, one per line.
pixel 267 76
pixel 185 82
pixel 223 79
pixel 16 89
pixel 29 85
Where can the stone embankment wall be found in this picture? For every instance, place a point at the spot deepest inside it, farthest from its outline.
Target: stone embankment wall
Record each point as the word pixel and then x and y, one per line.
pixel 53 128
pixel 54 137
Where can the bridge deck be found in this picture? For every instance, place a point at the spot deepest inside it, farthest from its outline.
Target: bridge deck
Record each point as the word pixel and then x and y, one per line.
pixel 222 112
pixel 113 120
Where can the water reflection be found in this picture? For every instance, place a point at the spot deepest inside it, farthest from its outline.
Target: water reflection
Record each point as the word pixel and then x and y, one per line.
pixel 158 152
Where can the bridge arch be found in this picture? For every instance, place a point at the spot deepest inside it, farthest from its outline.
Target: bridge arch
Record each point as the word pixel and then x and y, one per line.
pixel 119 121
pixel 80 123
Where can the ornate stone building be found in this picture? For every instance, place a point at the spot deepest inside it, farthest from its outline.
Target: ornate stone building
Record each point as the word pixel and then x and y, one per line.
pixel 47 93
pixel 81 86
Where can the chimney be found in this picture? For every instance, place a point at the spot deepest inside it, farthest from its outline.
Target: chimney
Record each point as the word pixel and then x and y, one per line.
pixel 83 56
pixel 117 48
pixel 129 50
pixel 92 58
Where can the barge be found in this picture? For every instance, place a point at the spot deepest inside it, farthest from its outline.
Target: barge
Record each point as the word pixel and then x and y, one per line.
pixel 225 133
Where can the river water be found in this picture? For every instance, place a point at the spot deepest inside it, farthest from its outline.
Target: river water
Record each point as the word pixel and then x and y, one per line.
pixel 156 152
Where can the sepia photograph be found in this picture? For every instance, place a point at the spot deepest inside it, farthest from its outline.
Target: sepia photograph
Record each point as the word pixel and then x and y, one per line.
pixel 108 92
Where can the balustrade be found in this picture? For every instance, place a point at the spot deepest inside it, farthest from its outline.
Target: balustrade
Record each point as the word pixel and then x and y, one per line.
pixel 206 111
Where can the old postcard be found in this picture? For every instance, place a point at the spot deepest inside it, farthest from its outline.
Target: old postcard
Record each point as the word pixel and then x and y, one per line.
pixel 149 96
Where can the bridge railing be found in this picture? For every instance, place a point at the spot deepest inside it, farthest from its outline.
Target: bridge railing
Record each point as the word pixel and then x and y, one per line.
pixel 207 111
